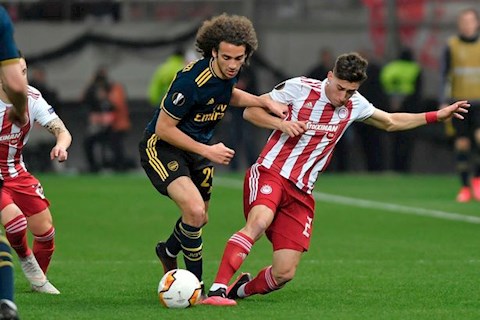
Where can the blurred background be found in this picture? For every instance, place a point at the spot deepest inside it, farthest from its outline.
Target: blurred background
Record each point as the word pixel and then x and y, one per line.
pixel 71 46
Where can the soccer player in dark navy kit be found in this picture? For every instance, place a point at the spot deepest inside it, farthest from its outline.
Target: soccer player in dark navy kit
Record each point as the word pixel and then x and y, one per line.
pixel 175 150
pixel 15 85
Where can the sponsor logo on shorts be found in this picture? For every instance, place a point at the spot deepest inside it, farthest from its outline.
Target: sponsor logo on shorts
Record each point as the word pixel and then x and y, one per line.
pixel 173 165
pixel 266 189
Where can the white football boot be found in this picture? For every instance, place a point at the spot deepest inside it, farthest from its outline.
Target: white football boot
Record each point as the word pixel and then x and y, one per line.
pixel 35 275
pixel 47 287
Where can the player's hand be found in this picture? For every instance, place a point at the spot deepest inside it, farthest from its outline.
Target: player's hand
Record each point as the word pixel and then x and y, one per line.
pixel 293 128
pixel 20 120
pixel 219 153
pixel 455 110
pixel 277 108
pixel 59 153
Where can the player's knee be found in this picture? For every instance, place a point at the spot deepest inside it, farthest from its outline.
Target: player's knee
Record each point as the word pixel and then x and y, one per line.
pixel 205 221
pixel 40 227
pixel 262 225
pixel 195 215
pixel 257 225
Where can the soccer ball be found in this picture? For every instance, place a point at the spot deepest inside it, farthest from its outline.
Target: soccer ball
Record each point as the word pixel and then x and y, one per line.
pixel 179 289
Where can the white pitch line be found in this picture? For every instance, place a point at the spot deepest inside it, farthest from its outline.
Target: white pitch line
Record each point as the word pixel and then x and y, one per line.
pixel 369 204
pixel 362 203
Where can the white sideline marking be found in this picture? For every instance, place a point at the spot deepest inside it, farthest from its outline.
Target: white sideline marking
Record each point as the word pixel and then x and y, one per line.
pixel 369 204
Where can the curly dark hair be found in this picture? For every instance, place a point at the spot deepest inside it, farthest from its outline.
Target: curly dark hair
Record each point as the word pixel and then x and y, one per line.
pixel 236 30
pixel 351 67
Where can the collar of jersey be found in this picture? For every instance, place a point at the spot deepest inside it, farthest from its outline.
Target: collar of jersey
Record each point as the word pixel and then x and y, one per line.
pixel 210 65
pixel 323 94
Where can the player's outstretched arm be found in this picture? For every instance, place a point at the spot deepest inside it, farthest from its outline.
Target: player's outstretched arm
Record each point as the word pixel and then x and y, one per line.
pixel 261 118
pixel 405 121
pixel 64 139
pixel 242 98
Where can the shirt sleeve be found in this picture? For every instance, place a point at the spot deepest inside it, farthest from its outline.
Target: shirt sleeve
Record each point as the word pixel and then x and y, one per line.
pixel 287 91
pixel 365 109
pixel 180 98
pixel 42 112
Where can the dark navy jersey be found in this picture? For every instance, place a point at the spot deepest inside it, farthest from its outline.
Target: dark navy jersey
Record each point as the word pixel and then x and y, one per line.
pixel 198 99
pixel 8 49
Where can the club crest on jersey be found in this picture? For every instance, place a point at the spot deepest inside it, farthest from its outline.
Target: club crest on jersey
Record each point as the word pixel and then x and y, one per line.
pixel 266 189
pixel 178 99
pixel 342 112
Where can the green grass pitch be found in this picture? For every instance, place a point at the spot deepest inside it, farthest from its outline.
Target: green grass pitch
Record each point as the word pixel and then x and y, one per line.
pixel 383 247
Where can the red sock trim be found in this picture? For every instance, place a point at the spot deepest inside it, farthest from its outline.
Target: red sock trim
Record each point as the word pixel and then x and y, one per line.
pixel 17 224
pixel 16 232
pixel 47 236
pixel 242 240
pixel 236 250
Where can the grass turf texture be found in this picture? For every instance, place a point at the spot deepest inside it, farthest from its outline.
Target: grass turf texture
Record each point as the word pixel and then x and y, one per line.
pixel 362 264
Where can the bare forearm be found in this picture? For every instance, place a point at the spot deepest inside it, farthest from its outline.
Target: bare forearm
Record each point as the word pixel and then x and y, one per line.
pixel 58 129
pixel 405 121
pixel 18 99
pixel 64 139
pixel 15 86
pixel 261 118
pixel 242 98
pixel 177 138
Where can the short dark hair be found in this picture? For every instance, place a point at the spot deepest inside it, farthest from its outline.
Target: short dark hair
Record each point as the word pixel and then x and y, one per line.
pixel 351 67
pixel 237 30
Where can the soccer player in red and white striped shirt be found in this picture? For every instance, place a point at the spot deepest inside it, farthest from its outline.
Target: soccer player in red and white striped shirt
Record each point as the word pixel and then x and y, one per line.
pixel 278 188
pixel 22 201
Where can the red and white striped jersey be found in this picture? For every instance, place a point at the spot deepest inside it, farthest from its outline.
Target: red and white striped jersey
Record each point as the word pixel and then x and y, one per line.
pixel 13 138
pixel 301 159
